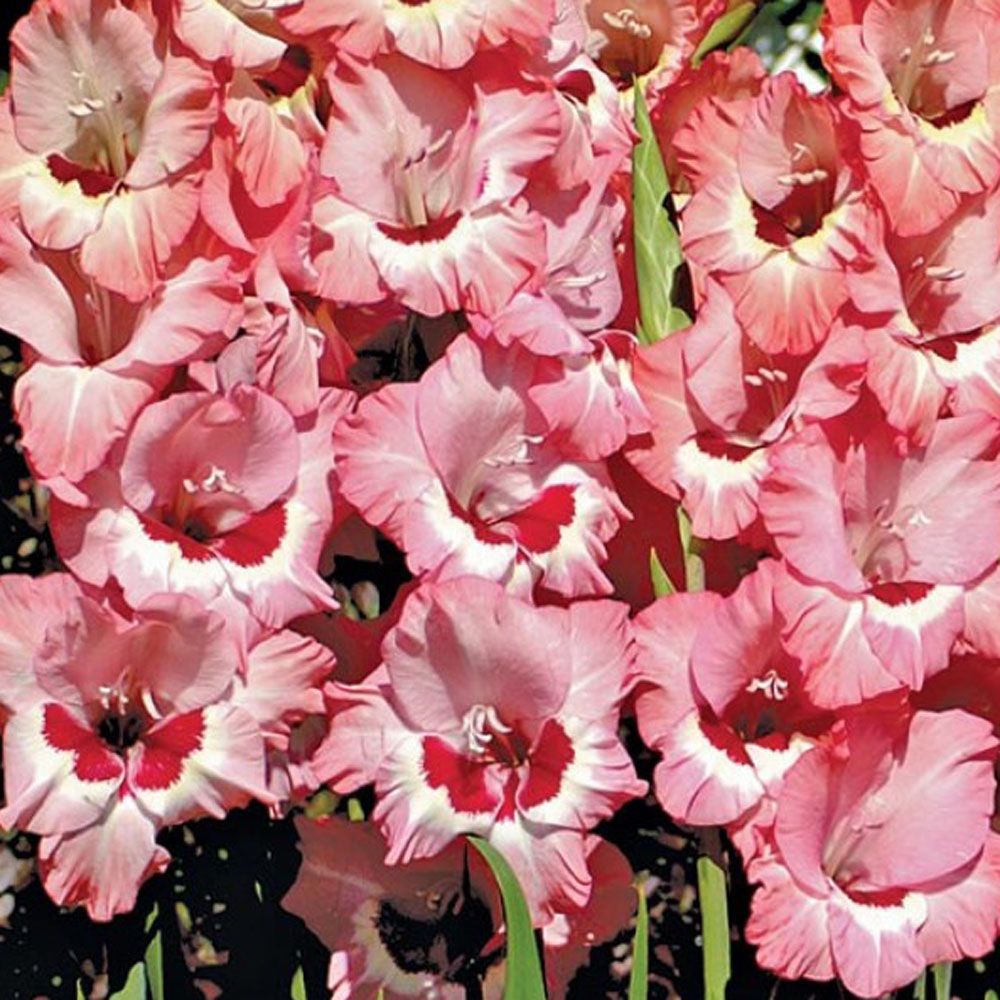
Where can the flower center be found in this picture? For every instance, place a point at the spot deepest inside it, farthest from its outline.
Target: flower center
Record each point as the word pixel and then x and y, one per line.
pixel 121 722
pixel 443 934
pixel 489 738
pixel 772 685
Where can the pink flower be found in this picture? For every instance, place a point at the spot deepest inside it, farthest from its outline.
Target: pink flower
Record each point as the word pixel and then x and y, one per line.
pixel 428 210
pixel 100 357
pixel 398 927
pixel 469 731
pixel 445 36
pixel 223 496
pixel 720 405
pixel 116 728
pixel 880 858
pixel 882 547
pixel 116 143
pixel 921 78
pixel 722 700
pixel 460 471
pixel 784 222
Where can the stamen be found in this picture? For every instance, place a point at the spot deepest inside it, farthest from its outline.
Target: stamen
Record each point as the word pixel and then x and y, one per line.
pixel 772 685
pixel 583 280
pixel 940 272
pixel 937 58
pixel 480 725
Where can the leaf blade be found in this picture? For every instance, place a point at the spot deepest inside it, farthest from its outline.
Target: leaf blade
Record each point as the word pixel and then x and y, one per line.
pixel 657 245
pixel 523 976
pixel 638 983
pixel 714 927
pixel 724 30
pixel 135 985
pixel 663 586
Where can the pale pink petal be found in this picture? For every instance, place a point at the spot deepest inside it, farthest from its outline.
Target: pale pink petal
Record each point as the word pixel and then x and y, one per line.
pixel 73 415
pixel 139 229
pixel 102 866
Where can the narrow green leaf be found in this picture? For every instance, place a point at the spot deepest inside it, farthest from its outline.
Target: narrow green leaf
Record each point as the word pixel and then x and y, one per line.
pixel 154 967
pixel 299 985
pixel 942 980
pixel 920 987
pixel 657 245
pixel 4 80
pixel 79 991
pixel 354 811
pixel 523 978
pixel 154 956
pixel 714 927
pixel 638 982
pixel 663 586
pixel 135 985
pixel 694 565
pixel 724 30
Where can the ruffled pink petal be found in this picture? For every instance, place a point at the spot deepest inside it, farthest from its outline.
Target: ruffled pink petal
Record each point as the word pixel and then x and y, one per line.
pixel 27 608
pixel 102 866
pixel 138 231
pixel 72 415
pixel 789 926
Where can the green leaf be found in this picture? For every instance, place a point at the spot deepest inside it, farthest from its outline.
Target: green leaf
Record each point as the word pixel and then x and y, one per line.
pixel 714 927
pixel 657 245
pixel 354 811
pixel 4 80
pixel 79 991
pixel 990 995
pixel 942 980
pixel 523 978
pixel 135 985
pixel 154 956
pixel 299 985
pixel 920 987
pixel 726 29
pixel 663 586
pixel 694 565
pixel 639 979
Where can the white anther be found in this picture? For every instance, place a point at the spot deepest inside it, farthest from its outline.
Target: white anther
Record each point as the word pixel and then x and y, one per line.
pixel 918 262
pixel 149 704
pixel 918 517
pixel 755 380
pixel 480 724
pixel 217 480
pixel 905 54
pixel 190 486
pixel 766 374
pixel 79 110
pixel 583 280
pixel 940 272
pixel 94 103
pixel 781 376
pixel 928 38
pixel 803 177
pixel 105 692
pixel 937 58
pixel 771 685
pixel 800 150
